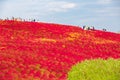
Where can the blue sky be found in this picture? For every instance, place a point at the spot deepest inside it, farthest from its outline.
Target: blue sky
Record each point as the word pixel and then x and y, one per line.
pixel 98 13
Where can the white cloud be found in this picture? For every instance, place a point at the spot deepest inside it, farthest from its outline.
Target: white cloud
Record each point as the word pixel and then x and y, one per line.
pixel 68 6
pixel 60 6
pixel 35 8
pixel 104 1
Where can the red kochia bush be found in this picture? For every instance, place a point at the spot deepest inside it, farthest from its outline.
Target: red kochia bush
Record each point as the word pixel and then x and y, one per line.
pixel 44 51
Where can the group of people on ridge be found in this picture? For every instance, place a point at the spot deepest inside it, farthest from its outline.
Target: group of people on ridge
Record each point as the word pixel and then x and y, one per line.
pixel 91 28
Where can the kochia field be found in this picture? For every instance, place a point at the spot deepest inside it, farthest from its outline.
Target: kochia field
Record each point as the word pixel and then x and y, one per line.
pixel 47 51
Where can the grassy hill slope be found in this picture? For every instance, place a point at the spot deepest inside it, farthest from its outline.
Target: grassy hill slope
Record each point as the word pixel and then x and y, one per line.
pixel 44 51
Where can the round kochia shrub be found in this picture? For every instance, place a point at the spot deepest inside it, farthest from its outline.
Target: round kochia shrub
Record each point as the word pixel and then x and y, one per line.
pixel 97 69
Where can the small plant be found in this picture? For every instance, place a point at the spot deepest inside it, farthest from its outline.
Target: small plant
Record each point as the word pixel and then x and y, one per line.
pixel 97 69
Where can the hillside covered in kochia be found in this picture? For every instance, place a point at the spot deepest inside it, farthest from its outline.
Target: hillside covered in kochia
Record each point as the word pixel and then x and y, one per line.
pixel 44 51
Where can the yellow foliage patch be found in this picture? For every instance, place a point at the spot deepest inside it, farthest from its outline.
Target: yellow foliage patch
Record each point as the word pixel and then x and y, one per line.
pixel 102 41
pixel 44 40
pixel 72 36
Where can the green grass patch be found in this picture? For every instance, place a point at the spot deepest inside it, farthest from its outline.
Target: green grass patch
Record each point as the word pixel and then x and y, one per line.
pixel 97 69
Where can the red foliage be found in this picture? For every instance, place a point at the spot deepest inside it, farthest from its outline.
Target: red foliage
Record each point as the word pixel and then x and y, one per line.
pixel 44 51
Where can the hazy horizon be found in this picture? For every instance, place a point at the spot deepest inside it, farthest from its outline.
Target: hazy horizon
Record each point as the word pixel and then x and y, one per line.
pixel 98 13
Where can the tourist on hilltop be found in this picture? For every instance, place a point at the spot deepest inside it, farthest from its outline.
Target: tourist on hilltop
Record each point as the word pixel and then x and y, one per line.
pixel 33 20
pixel 104 29
pixel 92 28
pixel 86 28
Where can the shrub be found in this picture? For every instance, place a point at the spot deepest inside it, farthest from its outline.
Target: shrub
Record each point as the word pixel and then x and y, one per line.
pixel 97 69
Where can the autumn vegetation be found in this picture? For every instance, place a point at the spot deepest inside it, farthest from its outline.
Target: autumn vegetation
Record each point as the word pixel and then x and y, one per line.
pixel 47 51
